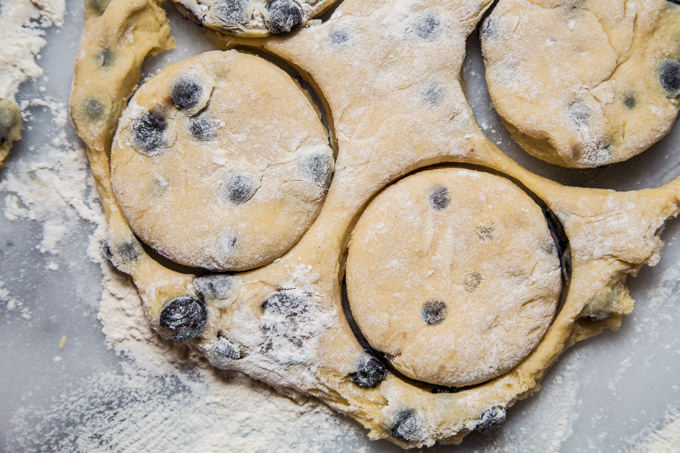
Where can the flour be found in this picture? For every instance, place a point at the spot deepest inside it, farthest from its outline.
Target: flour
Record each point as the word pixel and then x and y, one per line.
pixel 665 439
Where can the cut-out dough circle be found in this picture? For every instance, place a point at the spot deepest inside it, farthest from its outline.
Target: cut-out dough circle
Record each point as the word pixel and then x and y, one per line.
pixel 221 162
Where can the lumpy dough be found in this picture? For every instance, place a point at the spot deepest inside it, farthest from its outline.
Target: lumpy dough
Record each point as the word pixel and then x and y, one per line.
pixel 584 84
pixel 252 17
pixel 454 275
pixel 221 162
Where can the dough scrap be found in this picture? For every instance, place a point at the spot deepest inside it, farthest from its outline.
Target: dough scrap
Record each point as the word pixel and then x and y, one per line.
pixel 221 162
pixel 584 84
pixel 397 106
pixel 454 275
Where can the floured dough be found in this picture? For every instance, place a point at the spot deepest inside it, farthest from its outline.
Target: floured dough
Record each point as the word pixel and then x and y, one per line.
pixel 10 126
pixel 584 84
pixel 221 162
pixel 397 107
pixel 454 275
pixel 252 17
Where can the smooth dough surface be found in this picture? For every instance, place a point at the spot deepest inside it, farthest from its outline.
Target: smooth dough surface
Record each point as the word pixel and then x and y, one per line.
pixel 584 84
pixel 251 18
pixel 221 162
pixel 454 275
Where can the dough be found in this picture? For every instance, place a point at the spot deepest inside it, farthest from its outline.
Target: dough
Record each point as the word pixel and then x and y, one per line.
pixel 454 275
pixel 10 127
pixel 584 84
pixel 221 162
pixel 252 17
pixel 396 107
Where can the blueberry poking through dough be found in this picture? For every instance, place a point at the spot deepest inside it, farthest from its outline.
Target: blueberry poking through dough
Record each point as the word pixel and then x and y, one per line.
pixel 440 197
pixel 369 374
pixel 406 425
pixel 433 312
pixel 226 350
pixel 338 37
pixel 183 318
pixel 241 187
pixel 491 417
pixel 213 287
pixel 485 231
pixel 629 101
pixel 105 58
pixel 94 109
pixel 669 74
pixel 231 11
pixel 318 167
pixel 186 93
pixel 427 27
pixel 472 281
pixel 284 16
pixel 148 131
pixel 432 94
pixel 202 128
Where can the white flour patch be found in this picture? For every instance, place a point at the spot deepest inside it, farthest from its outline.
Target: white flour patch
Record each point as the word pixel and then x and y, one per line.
pixel 664 439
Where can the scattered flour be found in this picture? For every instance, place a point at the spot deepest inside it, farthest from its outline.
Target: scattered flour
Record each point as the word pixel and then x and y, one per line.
pixel 665 439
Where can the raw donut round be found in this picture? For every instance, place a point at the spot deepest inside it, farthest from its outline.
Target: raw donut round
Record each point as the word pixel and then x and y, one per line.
pixel 221 162
pixel 454 275
pixel 252 17
pixel 584 84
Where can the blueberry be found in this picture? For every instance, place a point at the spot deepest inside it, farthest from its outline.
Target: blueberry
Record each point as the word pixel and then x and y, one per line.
pixel 629 101
pixel 231 11
pixel 105 58
pixel 485 232
pixel 186 93
pixel 214 286
pixel 10 121
pixel 128 250
pixel 440 197
pixel 472 281
pixel 225 349
pixel 97 6
pixel 669 73
pixel 491 417
pixel 284 16
pixel 338 37
pixel 432 94
pixel 406 425
pixel 433 312
pixel 148 131
pixel 427 27
pixel 286 310
pixel 94 109
pixel 579 113
pixel 369 374
pixel 183 318
pixel 240 188
pixel 489 28
pixel 318 167
pixel 202 128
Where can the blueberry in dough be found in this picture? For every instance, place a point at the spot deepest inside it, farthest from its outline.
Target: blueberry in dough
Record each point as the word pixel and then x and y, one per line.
pixel 489 28
pixel 147 132
pixel 406 425
pixel 472 281
pixel 669 73
pixel 98 6
pixel 491 417
pixel 338 37
pixel 485 232
pixel 427 27
pixel 579 113
pixel 231 11
pixel 629 101
pixel 432 94
pixel 214 286
pixel 186 93
pixel 202 128
pixel 369 374
pixel 433 312
pixel 319 167
pixel 128 250
pixel 105 58
pixel 284 16
pixel 240 188
pixel 94 109
pixel 225 349
pixel 183 318
pixel 440 197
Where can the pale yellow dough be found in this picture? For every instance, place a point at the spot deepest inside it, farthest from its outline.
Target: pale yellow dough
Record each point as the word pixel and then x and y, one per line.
pixel 396 106
pixel 221 162
pixel 584 84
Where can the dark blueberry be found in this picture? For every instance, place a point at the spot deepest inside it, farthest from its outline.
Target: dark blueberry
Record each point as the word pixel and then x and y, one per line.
pixel 240 188
pixel 485 232
pixel 433 312
pixel 148 131
pixel 579 113
pixel 369 374
pixel 491 417
pixel 406 426
pixel 440 197
pixel 629 101
pixel 94 109
pixel 128 250
pixel 97 6
pixel 432 94
pixel 669 74
pixel 231 11
pixel 183 318
pixel 285 303
pixel 427 27
pixel 224 348
pixel 472 281
pixel 284 16
pixel 105 58
pixel 202 128
pixel 186 93
pixel 489 28
pixel 318 167
pixel 10 120
pixel 338 37
pixel 214 286
pixel 288 308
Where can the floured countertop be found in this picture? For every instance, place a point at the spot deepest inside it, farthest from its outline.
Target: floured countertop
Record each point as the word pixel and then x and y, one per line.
pixel 82 371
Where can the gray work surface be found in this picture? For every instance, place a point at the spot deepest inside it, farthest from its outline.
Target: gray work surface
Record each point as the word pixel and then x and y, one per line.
pixel 604 394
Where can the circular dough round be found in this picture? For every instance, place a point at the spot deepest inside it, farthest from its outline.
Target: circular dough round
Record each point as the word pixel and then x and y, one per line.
pixel 454 275
pixel 221 162
pixel 252 17
pixel 584 84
